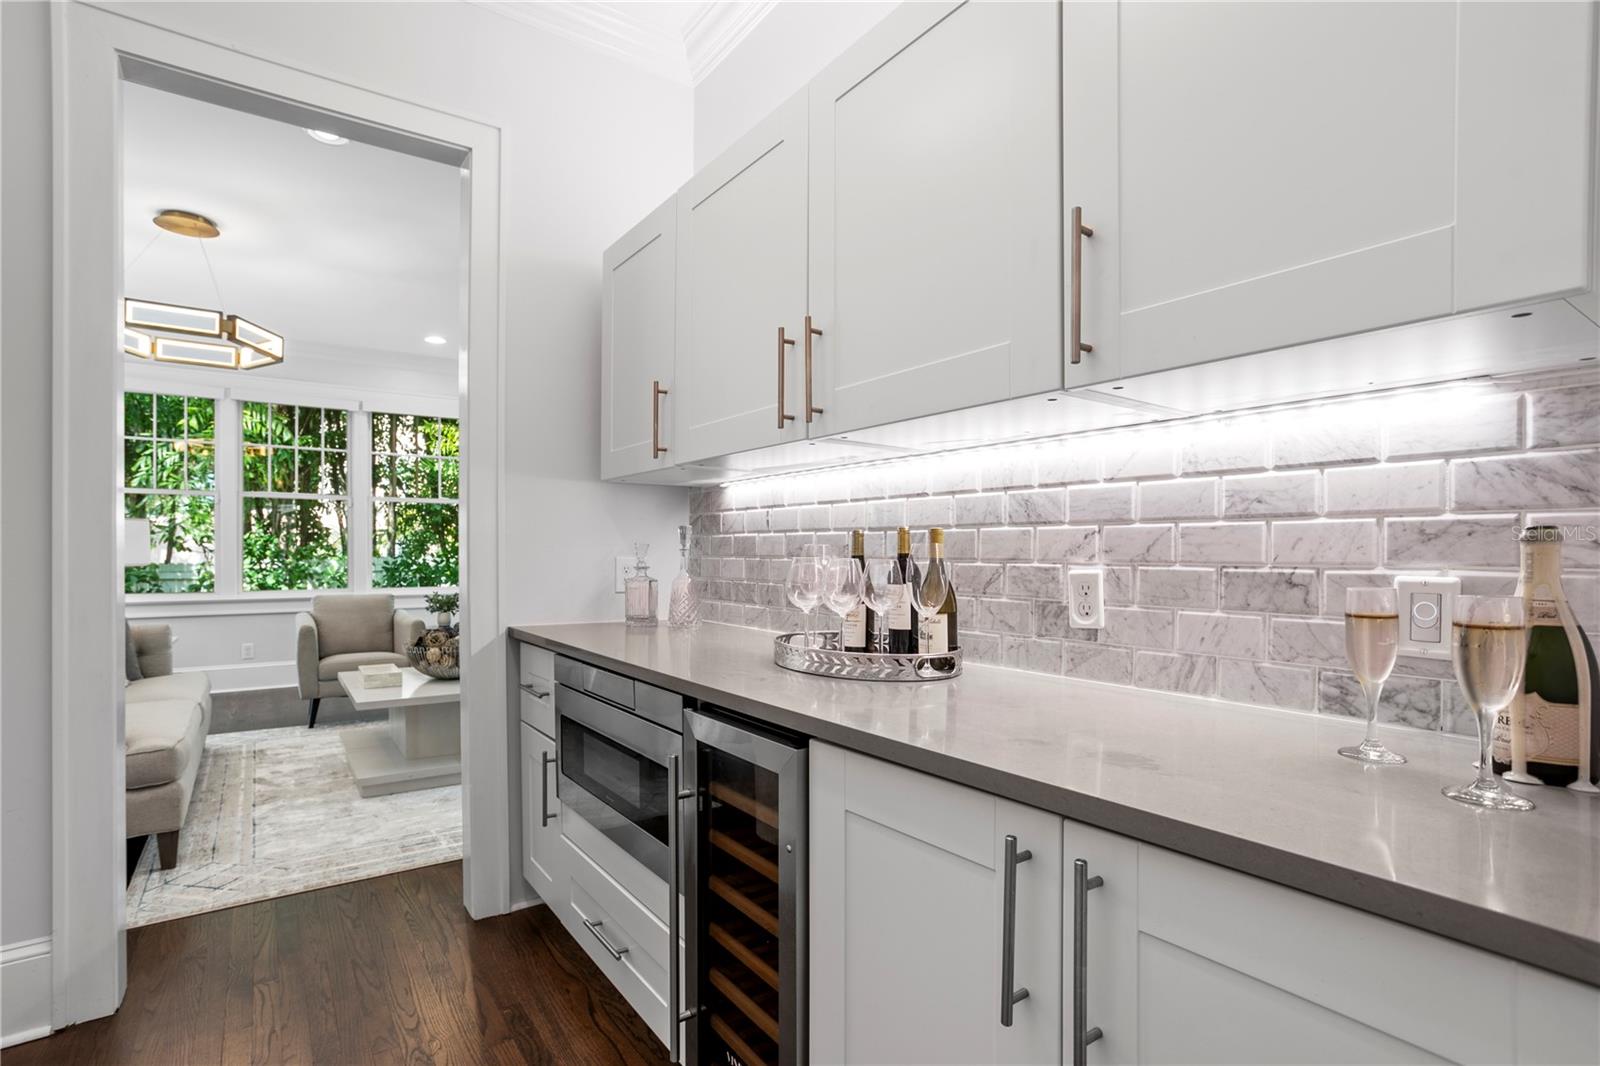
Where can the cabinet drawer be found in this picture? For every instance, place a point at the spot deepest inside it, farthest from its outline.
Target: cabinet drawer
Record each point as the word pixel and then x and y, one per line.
pixel 538 667
pixel 539 707
pixel 597 906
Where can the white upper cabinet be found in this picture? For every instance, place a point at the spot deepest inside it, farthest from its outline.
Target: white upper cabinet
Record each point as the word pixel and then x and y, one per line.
pixel 742 278
pixel 1262 175
pixel 638 339
pixel 935 225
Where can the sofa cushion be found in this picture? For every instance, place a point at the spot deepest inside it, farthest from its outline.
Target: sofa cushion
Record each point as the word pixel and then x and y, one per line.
pixel 350 622
pixel 162 737
pixel 330 668
pixel 194 686
pixel 131 656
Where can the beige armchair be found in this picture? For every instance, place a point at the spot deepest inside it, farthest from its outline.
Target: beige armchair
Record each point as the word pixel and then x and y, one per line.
pixel 344 631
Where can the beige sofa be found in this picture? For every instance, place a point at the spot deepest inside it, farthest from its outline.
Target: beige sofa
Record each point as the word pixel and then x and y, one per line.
pixel 344 631
pixel 166 720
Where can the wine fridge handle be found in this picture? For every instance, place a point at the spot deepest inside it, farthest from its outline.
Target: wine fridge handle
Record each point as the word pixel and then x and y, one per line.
pixel 783 342
pixel 545 760
pixel 674 831
pixel 1082 1035
pixel 1075 344
pixel 1010 995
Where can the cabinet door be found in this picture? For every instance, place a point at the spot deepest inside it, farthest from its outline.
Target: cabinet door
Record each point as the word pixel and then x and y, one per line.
pixel 541 826
pixel 908 896
pixel 638 338
pixel 935 214
pixel 742 276
pixel 1109 927
pixel 1263 175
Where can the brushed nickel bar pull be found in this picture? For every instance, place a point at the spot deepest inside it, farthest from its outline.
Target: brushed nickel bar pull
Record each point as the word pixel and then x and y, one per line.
pixel 1082 1036
pixel 783 342
pixel 1010 995
pixel 545 759
pixel 611 949
pixel 1079 232
pixel 811 331
pixel 657 449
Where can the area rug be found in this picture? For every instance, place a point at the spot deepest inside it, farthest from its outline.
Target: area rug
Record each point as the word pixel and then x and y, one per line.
pixel 275 811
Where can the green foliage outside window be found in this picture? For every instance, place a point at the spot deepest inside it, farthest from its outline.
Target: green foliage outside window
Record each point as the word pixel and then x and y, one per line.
pixel 295 530
pixel 416 478
pixel 169 478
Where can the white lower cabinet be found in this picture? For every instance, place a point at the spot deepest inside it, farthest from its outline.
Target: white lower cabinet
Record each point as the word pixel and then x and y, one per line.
pixel 1183 961
pixel 909 893
pixel 541 822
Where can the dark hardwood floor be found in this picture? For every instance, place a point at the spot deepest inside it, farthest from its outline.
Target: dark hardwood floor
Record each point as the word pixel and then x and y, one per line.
pixel 385 970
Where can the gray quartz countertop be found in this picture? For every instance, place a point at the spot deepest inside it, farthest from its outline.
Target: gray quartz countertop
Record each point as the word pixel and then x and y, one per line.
pixel 1260 791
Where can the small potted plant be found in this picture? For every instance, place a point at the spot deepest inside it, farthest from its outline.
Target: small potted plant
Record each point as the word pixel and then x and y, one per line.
pixel 443 605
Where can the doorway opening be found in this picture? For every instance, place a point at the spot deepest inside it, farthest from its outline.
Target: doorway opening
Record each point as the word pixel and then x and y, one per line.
pixel 291 453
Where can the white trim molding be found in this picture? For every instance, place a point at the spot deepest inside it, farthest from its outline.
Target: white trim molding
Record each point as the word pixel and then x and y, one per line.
pixel 685 54
pixel 24 991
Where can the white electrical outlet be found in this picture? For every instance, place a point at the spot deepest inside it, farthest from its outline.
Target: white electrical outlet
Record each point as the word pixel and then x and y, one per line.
pixel 247 652
pixel 1426 605
pixel 625 570
pixel 1086 596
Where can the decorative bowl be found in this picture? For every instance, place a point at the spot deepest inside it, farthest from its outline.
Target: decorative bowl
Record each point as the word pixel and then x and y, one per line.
pixel 436 654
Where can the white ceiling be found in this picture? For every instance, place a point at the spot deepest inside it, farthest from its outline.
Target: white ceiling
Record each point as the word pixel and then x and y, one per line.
pixel 347 247
pixel 680 40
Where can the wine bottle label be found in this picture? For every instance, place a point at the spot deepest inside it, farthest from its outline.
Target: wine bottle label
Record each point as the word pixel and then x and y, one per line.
pixel 855 628
pixel 1543 611
pixel 1550 731
pixel 900 607
pixel 933 634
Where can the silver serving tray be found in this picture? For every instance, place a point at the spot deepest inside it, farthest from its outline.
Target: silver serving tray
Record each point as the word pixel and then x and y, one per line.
pixel 826 658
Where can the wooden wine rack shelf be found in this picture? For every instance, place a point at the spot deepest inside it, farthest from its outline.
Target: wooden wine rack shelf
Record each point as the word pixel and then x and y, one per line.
pixel 737 897
pixel 739 801
pixel 735 1042
pixel 743 1001
pixel 745 854
pixel 745 953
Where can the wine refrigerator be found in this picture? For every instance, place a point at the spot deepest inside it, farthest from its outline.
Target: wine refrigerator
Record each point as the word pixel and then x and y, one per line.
pixel 742 815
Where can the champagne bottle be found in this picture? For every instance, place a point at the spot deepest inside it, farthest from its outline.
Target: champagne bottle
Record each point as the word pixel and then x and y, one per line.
pixel 937 630
pixel 1550 733
pixel 857 630
pixel 903 579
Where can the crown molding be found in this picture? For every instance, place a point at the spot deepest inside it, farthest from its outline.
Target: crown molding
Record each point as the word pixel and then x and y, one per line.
pixel 716 29
pixel 615 29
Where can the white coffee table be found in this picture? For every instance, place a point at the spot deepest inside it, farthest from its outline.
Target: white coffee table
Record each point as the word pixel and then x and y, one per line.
pixel 422 746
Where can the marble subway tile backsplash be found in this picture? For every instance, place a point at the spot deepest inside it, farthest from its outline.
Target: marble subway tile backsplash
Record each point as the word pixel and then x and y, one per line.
pixel 1227 544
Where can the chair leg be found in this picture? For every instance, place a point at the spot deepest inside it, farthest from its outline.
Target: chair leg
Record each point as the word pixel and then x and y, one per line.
pixel 312 724
pixel 167 849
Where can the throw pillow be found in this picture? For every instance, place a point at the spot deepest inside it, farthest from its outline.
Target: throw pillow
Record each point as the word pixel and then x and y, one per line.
pixel 134 673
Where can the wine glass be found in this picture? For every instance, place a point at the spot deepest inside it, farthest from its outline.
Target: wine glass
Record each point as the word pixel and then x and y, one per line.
pixel 1489 646
pixel 842 588
pixel 1371 630
pixel 803 584
pixel 877 593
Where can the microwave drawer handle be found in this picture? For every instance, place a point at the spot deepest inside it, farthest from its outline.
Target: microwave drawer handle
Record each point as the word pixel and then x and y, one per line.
pixel 611 949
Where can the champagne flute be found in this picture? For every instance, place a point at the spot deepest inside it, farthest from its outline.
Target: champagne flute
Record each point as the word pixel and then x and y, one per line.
pixel 803 584
pixel 878 594
pixel 1489 646
pixel 1371 630
pixel 842 588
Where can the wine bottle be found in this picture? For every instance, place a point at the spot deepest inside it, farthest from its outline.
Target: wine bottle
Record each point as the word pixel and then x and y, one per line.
pixel 857 629
pixel 1549 733
pixel 936 632
pixel 903 580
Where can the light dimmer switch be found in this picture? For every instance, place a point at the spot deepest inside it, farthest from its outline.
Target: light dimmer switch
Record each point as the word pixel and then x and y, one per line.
pixel 1425 606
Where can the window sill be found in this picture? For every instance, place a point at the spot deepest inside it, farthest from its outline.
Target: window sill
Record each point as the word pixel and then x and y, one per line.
pixel 189 605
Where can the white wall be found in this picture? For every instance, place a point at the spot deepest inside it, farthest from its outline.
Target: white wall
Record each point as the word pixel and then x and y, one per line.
pixel 25 455
pixel 784 52
pixel 588 146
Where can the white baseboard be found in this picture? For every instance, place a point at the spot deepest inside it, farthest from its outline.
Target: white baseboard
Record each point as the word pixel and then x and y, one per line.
pixel 248 676
pixel 24 991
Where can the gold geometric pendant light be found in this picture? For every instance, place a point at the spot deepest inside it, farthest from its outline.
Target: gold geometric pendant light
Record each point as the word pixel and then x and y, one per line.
pixel 171 333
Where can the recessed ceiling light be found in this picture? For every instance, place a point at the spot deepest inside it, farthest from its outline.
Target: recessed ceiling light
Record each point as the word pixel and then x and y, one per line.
pixel 433 338
pixel 324 137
